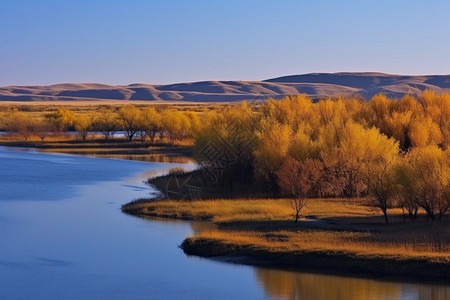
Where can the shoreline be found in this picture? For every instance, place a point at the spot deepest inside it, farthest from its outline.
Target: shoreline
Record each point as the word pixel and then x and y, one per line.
pixel 110 149
pixel 327 262
pixel 339 262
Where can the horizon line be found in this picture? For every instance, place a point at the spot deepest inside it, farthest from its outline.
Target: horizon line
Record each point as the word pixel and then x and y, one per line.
pixel 234 80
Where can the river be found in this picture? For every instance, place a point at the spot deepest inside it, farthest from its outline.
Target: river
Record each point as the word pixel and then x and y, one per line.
pixel 63 236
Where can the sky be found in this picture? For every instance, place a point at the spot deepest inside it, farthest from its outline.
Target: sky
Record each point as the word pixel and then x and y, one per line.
pixel 141 41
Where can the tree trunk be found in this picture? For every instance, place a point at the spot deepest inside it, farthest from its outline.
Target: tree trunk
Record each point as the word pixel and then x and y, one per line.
pixel 430 213
pixel 383 206
pixel 296 216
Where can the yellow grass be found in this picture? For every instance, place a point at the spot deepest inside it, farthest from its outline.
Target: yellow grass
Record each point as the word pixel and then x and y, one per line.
pixel 259 209
pixel 221 210
pixel 338 225
pixel 35 107
pixel 354 243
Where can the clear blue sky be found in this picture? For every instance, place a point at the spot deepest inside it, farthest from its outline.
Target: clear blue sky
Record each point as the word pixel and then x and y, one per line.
pixel 129 41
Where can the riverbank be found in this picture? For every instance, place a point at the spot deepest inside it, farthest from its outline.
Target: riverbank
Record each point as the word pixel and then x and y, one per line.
pixel 341 236
pixel 114 148
pixel 328 262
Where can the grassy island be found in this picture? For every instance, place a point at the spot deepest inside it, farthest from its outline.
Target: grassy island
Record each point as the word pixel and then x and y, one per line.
pixel 335 235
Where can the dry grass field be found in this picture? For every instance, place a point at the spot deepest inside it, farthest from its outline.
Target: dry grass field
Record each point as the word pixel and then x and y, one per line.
pixel 331 225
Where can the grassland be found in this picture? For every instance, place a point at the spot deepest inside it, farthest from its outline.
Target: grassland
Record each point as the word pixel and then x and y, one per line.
pixel 336 235
pixel 35 108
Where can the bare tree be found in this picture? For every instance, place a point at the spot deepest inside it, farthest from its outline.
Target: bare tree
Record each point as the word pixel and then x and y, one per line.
pixel 298 179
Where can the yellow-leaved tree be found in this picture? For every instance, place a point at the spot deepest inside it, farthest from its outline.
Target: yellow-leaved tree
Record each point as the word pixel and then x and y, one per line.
pixel 82 124
pixel 175 124
pixel 424 132
pixel 379 162
pixel 18 122
pixel 106 122
pixel 225 139
pixel 62 119
pixel 437 107
pixel 151 122
pixel 273 142
pixel 426 179
pixel 348 151
pixel 129 118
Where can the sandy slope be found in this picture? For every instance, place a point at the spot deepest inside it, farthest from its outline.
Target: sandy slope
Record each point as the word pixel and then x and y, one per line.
pixel 316 85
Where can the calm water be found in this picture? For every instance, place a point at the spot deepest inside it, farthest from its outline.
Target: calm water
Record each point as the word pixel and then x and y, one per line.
pixel 63 236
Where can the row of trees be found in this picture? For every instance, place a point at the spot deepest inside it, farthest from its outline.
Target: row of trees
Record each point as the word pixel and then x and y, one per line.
pixel 146 122
pixel 396 152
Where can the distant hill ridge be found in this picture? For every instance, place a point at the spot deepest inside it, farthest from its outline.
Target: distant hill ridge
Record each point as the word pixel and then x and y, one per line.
pixel 315 85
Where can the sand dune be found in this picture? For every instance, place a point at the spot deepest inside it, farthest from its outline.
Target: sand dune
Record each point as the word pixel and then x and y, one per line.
pixel 315 85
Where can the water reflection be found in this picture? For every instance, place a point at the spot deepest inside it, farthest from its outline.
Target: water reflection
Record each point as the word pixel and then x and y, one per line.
pixel 154 173
pixel 295 285
pixel 199 227
pixel 163 158
pixel 127 154
pixel 83 247
pixel 196 227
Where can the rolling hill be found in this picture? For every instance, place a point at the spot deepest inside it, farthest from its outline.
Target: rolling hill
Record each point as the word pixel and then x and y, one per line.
pixel 315 85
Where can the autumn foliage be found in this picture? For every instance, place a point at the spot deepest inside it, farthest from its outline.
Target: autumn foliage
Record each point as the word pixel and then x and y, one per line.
pixel 395 152
pixel 391 151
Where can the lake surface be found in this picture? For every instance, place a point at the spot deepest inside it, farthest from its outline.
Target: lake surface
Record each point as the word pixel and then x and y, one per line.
pixel 63 236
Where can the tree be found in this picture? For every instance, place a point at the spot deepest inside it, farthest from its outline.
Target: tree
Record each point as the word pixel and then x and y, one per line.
pixel 62 119
pixel 194 122
pixel 18 122
pixel 297 179
pixel 380 106
pixel 175 124
pixel 379 169
pixel 224 143
pixel 272 146
pixel 424 132
pixel 129 119
pixel 82 124
pixel 151 122
pixel 43 128
pixel 429 180
pixel 342 148
pixel 348 152
pixel 336 111
pixel 437 108
pixel 105 121
pixel 396 125
pixel 302 146
pixel 292 110
pixel 404 192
